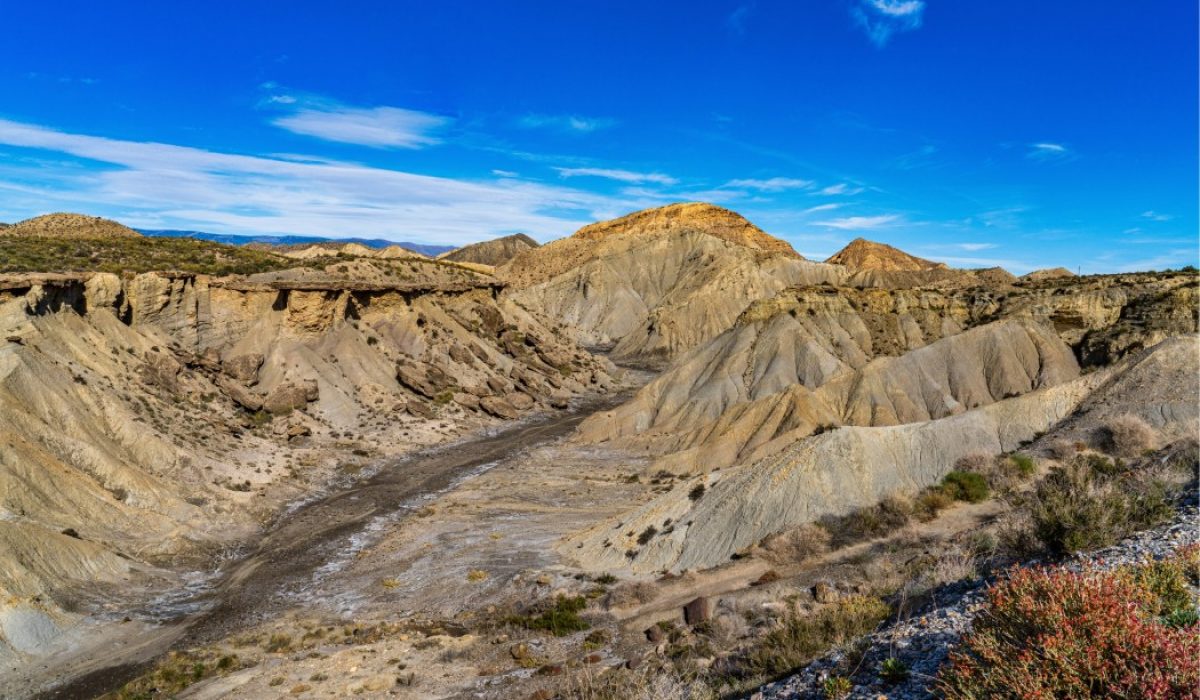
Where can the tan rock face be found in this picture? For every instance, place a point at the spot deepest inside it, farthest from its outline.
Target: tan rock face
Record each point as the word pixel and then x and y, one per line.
pixel 862 254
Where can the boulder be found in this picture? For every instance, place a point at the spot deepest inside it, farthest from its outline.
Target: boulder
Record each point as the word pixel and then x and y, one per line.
pixel 420 409
pixel 520 400
pixel 241 395
pixel 498 407
pixel 290 396
pixel 244 368
pixel 426 380
pixel 466 400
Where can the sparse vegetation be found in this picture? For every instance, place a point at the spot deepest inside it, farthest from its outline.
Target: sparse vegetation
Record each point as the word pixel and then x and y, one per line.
pixel 802 637
pixel 559 618
pixel 797 544
pixel 136 254
pixel 893 670
pixel 1088 503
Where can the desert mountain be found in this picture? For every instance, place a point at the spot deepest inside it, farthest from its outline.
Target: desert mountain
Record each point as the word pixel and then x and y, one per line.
pixel 658 282
pixel 68 226
pixel 862 254
pixel 494 252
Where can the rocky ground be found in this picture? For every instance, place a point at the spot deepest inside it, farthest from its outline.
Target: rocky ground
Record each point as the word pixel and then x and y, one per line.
pixel 923 641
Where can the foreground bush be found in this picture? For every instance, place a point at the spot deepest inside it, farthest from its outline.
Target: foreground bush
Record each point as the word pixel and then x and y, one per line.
pixel 1090 503
pixel 1061 634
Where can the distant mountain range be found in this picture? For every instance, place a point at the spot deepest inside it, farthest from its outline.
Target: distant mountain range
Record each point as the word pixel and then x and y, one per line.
pixel 239 239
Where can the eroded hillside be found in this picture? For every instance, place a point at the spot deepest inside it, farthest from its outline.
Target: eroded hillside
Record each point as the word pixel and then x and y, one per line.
pixel 164 415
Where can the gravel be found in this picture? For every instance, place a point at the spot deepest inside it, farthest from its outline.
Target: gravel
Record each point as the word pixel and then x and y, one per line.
pixel 923 643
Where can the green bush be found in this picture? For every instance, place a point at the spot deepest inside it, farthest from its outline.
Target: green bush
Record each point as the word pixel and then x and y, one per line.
pixel 560 619
pixel 966 486
pixel 1024 464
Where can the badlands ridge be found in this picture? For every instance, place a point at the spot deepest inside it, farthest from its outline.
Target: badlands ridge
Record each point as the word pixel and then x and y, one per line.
pixel 155 419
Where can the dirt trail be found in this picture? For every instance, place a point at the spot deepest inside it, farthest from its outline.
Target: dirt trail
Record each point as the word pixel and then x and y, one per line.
pixel 295 550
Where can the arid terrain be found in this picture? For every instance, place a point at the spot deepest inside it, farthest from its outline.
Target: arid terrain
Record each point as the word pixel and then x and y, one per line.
pixel 663 457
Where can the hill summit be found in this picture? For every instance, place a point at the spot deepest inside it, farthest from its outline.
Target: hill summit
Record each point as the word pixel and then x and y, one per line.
pixel 62 225
pixel 862 254
pixel 494 252
pixel 697 216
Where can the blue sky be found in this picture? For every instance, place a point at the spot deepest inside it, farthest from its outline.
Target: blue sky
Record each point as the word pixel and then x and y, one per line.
pixel 1018 133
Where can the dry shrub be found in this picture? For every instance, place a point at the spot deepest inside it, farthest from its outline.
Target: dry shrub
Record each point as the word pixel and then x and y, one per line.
pixel 1062 634
pixel 1128 435
pixel 978 462
pixel 930 572
pixel 796 545
pixel 647 683
pixel 801 638
pixel 930 503
pixel 1061 449
pixel 1087 503
pixel 631 593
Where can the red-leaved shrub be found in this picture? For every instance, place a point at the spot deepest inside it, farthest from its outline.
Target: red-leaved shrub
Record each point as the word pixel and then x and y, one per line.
pixel 1049 633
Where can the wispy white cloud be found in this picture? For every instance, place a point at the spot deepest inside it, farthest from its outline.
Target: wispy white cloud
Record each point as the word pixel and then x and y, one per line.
pixel 1048 151
pixel 860 223
pixel 821 207
pixel 565 122
pixel 881 19
pixel 1155 216
pixel 775 184
pixel 159 185
pixel 619 175
pixel 736 21
pixel 504 173
pixel 841 188
pixel 974 246
pixel 377 127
